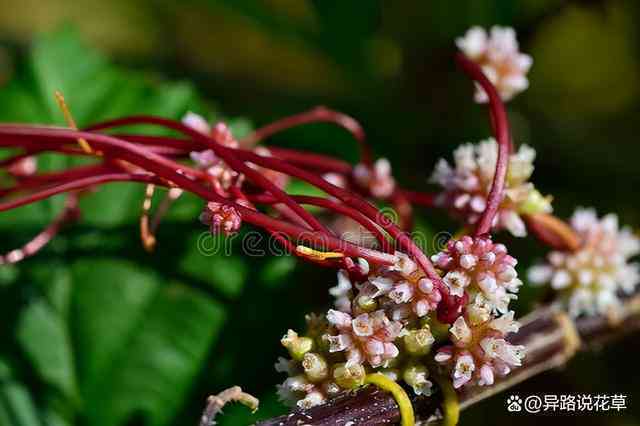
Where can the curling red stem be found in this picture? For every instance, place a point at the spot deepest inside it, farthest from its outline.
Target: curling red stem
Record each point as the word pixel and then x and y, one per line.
pixel 347 197
pixel 315 115
pixel 502 134
pixel 36 244
pixel 338 208
pixel 171 171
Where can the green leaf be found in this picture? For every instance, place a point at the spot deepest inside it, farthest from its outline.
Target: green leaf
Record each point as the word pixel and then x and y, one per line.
pixel 208 259
pixel 43 335
pixel 94 91
pixel 56 283
pixel 110 299
pixel 141 341
pixel 16 406
pixel 276 270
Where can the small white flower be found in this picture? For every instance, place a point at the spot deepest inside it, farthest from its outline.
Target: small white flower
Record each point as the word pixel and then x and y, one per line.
pixel 457 282
pixel 467 185
pixel 461 331
pixel 342 292
pixel 377 179
pixel 479 349
pixel 591 279
pixel 486 375
pixel 463 370
pixel 196 122
pixel 499 56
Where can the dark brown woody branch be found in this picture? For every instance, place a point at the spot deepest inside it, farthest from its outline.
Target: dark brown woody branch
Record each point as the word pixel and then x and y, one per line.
pixel 550 336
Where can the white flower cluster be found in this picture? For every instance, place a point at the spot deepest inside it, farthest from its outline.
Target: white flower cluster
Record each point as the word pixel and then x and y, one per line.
pixel 366 333
pixel 499 56
pixel 403 289
pixel 467 184
pixel 591 279
pixel 481 270
pixel 483 273
pixel 367 337
pixel 479 351
pixel 383 324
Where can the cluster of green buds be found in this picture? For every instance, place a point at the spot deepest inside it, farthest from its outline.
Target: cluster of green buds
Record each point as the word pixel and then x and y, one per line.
pixel 317 369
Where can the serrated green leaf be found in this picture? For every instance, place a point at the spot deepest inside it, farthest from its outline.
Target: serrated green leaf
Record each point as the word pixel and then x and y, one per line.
pixel 139 355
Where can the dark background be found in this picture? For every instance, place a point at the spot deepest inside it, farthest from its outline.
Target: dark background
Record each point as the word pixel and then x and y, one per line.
pixel 389 64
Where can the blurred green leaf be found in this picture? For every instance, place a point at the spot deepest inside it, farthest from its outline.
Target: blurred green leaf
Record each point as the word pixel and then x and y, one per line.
pixel 277 269
pixel 140 353
pixel 44 337
pixel 94 90
pixel 16 405
pixel 208 259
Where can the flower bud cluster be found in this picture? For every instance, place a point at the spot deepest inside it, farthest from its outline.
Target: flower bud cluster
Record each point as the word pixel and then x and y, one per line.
pixel 376 179
pixel 466 185
pixel 591 279
pixel 221 218
pixel 403 289
pixel 384 324
pixel 498 54
pixel 339 351
pixel 480 269
pixel 479 351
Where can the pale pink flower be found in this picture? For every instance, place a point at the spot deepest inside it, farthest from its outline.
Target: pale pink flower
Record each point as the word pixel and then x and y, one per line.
pixel 377 179
pixel 467 184
pixel 402 288
pixel 499 57
pixel 24 167
pixel 591 279
pixel 277 178
pixel 479 351
pixel 365 338
pixel 342 292
pixel 481 269
pixel 221 218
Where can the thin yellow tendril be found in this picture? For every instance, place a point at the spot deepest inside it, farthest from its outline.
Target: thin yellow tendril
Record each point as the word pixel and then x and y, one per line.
pixel 402 399
pixel 62 104
pixel 146 235
pixel 450 402
pixel 318 255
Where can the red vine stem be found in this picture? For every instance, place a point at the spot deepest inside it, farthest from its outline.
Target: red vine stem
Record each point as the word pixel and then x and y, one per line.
pixel 347 197
pixel 70 212
pixel 315 115
pixel 500 125
pixel 172 171
pixel 338 208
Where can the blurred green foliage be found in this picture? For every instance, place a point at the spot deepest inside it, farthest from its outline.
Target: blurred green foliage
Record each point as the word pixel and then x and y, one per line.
pixel 95 331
